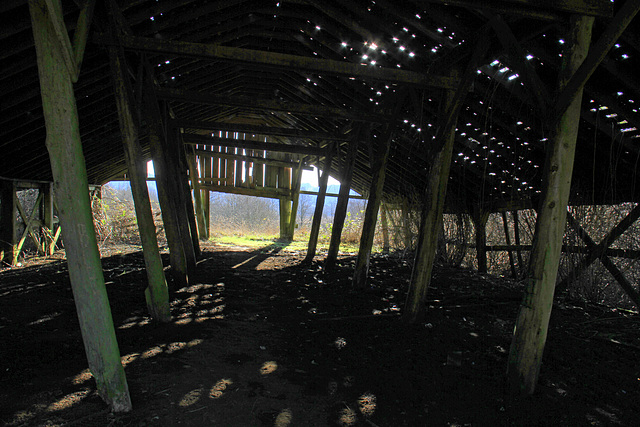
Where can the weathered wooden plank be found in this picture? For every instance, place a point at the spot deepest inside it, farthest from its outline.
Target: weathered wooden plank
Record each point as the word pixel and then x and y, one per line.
pixel 527 346
pixel 254 159
pixel 197 196
pixel 81 32
pixel 281 60
pixel 74 210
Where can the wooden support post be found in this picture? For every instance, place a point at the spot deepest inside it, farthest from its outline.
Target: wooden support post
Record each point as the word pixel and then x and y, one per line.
pixel 207 167
pixel 197 195
pixel 527 346
pixel 480 219
pixel 406 226
pixel 507 238
pixel 47 218
pixel 431 216
pixel 177 257
pixel 317 214
pixel 191 228
pixel 74 209
pixel 284 182
pixel 157 292
pixel 516 236
pixel 385 228
pixel 295 195
pixel 8 236
pixel 375 198
pixel 343 201
pixel 436 189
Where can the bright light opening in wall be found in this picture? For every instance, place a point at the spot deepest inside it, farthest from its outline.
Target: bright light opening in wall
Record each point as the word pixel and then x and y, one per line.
pixel 529 57
pixel 494 63
pixel 515 76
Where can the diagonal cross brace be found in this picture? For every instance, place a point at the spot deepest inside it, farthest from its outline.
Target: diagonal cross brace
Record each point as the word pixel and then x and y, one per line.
pixel 598 251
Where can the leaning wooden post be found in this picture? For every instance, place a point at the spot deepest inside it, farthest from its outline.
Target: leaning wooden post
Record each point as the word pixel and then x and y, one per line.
pixel 480 219
pixel 431 215
pixel 47 218
pixel 197 194
pixel 516 237
pixel 525 356
pixel 375 198
pixel 284 182
pixel 385 228
pixel 74 209
pixel 177 257
pixel 185 190
pixel 8 235
pixel 295 195
pixel 317 214
pixel 507 239
pixel 343 201
pixel 157 292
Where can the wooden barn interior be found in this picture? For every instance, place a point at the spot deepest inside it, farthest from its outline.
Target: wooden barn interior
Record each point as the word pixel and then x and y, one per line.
pixel 466 106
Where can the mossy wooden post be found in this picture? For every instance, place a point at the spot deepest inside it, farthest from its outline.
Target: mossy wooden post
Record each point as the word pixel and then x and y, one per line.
pixel 431 216
pixel 8 235
pixel 527 346
pixel 480 219
pixel 74 209
pixel 340 213
pixel 157 292
pixel 385 228
pixel 177 257
pixel 317 214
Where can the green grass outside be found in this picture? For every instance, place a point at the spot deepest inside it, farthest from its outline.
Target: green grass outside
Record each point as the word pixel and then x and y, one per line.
pixel 260 241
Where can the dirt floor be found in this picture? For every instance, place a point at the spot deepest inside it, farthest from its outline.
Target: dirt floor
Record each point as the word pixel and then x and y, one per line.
pixel 260 340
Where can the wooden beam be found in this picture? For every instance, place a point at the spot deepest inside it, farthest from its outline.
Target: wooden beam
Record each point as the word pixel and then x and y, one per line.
pixel 157 291
pixel 54 9
pixel 280 60
pixel 252 145
pixel 195 97
pixel 539 9
pixel 82 32
pixel 607 39
pixel 530 334
pixel 270 193
pixel 255 129
pixel 74 209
